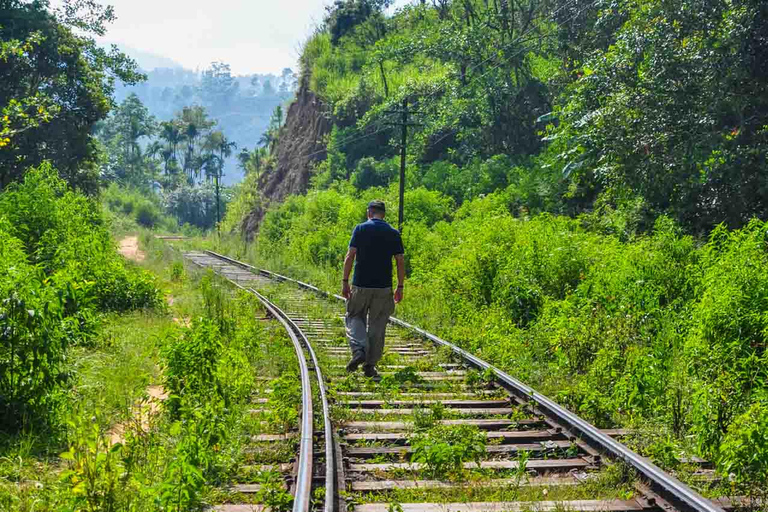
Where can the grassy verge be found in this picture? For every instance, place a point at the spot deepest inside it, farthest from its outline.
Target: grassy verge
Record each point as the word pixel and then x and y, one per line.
pixel 206 337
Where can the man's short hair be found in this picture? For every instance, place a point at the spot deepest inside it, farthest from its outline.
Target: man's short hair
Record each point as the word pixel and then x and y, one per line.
pixel 377 206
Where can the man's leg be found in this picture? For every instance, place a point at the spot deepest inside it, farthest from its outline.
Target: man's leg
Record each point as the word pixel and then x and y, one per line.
pixel 357 313
pixel 382 305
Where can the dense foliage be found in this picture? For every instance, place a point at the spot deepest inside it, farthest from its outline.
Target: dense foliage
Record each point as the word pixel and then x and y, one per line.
pixel 650 107
pixel 59 269
pixel 55 84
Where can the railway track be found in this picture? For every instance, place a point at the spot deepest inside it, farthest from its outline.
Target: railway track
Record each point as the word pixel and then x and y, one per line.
pixel 442 430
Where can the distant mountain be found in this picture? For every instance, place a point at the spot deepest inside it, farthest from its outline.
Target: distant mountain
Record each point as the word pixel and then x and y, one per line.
pixel 148 61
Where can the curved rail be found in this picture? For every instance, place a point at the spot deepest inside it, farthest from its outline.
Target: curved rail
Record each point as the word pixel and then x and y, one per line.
pixel 303 493
pixel 667 486
pixel 330 487
pixel 302 498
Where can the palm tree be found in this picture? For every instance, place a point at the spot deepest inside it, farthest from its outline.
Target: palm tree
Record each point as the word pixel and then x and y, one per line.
pixel 266 138
pixel 191 133
pixel 242 160
pixel 154 149
pixel 171 134
pixel 225 148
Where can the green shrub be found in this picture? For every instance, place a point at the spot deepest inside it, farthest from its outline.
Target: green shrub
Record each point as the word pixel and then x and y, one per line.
pixel 190 362
pixel 284 402
pixel 32 339
pixel 147 215
pixel 177 271
pixel 58 269
pixel 726 346
pixel 445 448
pixel 744 451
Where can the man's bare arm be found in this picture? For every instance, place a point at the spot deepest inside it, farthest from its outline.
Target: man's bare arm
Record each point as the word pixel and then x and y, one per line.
pixel 400 261
pixel 349 261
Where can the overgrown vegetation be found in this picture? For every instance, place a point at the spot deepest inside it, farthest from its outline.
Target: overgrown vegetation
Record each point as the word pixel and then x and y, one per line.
pixel 652 108
pixel 444 449
pixel 581 192
pixel 59 271
pixel 652 331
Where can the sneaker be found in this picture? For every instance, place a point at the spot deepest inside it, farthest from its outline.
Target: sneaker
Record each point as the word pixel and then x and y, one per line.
pixel 357 360
pixel 370 372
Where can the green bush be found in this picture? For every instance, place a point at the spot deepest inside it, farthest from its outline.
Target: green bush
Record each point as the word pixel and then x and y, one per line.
pixel 32 336
pixel 744 451
pixel 444 449
pixel 58 270
pixel 142 208
pixel 147 215
pixel 190 363
pixel 622 328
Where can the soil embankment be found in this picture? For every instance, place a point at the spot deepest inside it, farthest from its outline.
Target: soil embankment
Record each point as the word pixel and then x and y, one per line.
pixel 300 146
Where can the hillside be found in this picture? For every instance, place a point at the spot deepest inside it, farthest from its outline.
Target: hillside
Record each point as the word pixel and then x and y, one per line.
pixel 576 105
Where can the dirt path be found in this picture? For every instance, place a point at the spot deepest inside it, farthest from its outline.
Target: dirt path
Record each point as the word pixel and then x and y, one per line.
pixel 129 247
pixel 142 414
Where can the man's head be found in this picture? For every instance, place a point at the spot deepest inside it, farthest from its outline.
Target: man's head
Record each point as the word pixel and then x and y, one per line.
pixel 376 210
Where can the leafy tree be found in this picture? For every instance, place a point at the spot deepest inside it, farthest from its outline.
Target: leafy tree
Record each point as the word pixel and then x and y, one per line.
pixel 55 84
pixel 344 15
pixel 674 112
pixel 218 85
pixel 122 133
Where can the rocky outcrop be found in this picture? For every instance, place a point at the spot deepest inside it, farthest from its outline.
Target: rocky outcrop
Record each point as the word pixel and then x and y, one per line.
pixel 300 146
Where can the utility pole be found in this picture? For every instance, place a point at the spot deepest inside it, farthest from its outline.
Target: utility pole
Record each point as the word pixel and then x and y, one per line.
pixel 218 206
pixel 404 124
pixel 403 144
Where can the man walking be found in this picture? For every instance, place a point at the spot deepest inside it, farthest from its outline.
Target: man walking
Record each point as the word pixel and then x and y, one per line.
pixel 370 301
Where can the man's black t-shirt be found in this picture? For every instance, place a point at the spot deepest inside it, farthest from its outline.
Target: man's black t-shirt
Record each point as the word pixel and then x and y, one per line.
pixel 376 243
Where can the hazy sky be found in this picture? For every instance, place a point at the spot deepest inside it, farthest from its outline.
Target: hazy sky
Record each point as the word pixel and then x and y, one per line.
pixel 253 36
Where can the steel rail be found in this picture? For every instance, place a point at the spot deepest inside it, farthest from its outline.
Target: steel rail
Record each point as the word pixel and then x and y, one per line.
pixel 667 486
pixel 330 459
pixel 303 492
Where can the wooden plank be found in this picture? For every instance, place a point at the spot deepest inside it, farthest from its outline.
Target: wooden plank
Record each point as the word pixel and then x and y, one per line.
pixel 447 403
pixel 536 464
pixel 250 488
pixel 457 395
pixel 246 488
pixel 538 481
pixel 401 425
pixel 514 435
pixel 282 468
pixel 510 506
pixel 449 373
pixel 468 411
pixel 265 438
pixel 238 508
pixel 371 451
pixel 385 367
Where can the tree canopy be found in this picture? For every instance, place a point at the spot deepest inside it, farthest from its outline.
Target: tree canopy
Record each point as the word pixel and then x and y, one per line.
pixel 55 84
pixel 652 107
